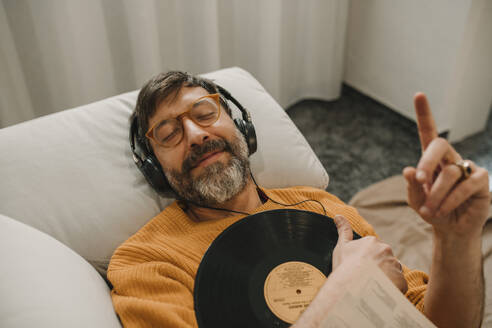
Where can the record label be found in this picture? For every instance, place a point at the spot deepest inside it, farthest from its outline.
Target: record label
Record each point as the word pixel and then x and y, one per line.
pixel 290 287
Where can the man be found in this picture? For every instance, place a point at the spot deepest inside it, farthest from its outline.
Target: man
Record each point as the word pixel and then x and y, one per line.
pixel 205 159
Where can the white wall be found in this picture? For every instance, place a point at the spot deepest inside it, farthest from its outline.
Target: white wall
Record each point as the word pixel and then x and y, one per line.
pixel 470 92
pixel 440 47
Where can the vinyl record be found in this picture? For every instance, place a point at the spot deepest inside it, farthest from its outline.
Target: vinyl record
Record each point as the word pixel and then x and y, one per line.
pixel 264 270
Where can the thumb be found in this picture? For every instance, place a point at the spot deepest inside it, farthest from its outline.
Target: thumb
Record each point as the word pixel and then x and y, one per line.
pixel 345 233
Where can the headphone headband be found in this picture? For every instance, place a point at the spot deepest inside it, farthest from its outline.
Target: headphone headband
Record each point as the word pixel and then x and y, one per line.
pixel 244 112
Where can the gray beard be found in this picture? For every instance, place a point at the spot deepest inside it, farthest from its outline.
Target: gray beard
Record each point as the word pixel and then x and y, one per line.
pixel 218 182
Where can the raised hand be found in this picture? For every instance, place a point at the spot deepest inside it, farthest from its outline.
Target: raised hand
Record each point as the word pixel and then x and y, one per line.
pixel 455 202
pixel 437 188
pixel 353 252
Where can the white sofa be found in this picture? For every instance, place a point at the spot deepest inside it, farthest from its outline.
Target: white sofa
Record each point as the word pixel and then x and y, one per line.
pixel 70 194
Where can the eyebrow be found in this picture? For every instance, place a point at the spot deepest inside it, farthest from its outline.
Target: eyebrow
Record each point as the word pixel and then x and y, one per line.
pixel 187 108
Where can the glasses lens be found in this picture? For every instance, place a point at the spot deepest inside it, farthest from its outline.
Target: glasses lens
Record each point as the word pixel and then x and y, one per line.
pixel 205 112
pixel 169 132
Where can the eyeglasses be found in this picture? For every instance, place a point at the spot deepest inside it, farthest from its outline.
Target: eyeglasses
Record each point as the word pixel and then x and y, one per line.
pixel 205 111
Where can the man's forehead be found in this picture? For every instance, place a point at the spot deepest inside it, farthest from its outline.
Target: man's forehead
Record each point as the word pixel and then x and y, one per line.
pixel 178 104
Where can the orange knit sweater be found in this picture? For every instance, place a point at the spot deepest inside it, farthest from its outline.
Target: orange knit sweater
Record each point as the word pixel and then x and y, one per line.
pixel 153 272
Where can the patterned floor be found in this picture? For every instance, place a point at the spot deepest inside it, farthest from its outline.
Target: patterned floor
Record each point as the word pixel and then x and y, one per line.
pixel 360 141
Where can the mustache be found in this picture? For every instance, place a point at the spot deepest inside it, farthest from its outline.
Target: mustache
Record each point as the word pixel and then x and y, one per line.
pixel 213 145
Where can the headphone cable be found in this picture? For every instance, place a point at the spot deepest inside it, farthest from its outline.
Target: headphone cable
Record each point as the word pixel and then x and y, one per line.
pixel 288 205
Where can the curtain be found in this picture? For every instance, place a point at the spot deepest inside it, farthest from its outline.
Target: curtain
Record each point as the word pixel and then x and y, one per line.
pixel 58 54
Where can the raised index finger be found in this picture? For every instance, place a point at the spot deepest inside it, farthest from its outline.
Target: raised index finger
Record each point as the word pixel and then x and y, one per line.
pixel 425 120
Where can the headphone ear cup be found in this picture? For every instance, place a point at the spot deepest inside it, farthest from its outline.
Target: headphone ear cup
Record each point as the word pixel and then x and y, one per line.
pixel 148 164
pixel 248 131
pixel 152 171
pixel 240 124
pixel 251 137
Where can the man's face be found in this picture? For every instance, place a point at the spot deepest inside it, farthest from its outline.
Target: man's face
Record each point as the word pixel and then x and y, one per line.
pixel 210 164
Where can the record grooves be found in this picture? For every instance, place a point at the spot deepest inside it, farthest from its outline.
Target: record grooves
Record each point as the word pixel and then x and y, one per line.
pixel 230 285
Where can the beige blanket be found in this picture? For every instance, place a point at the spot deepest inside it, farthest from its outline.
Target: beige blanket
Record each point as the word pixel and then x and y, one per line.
pixel 385 207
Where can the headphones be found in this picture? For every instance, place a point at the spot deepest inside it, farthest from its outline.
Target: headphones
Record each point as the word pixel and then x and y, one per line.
pixel 150 166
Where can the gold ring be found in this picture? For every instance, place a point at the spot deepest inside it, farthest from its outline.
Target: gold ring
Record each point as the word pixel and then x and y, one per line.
pixel 465 168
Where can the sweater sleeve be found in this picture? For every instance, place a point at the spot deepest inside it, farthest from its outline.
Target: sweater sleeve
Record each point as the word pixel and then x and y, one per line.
pixel 153 294
pixel 417 285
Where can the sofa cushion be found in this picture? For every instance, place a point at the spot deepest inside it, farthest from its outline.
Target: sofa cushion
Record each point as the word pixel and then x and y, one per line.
pixel 45 284
pixel 71 174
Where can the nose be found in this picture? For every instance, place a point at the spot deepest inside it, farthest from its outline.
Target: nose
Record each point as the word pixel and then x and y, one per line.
pixel 194 134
